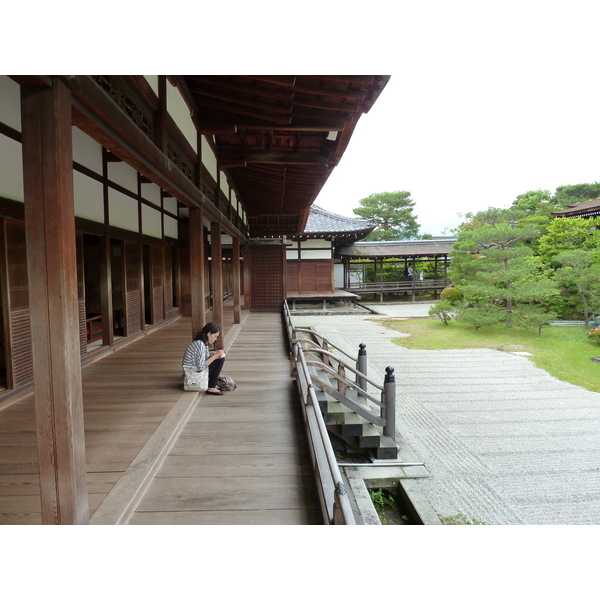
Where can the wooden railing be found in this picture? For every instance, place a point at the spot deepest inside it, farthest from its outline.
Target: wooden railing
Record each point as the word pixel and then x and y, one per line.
pixel 305 352
pixel 376 286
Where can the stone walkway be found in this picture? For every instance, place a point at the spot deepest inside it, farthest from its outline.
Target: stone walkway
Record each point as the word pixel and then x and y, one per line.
pixel 504 441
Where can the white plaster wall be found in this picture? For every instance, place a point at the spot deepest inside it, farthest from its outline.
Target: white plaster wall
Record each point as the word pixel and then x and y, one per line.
pixel 225 186
pixel 291 254
pixel 180 112
pixel 315 243
pixel 152 82
pixel 122 211
pixel 151 222
pixel 11 170
pixel 87 151
pixel 315 254
pixel 338 275
pixel 10 107
pixel 89 201
pixel 170 205
pixel 124 175
pixel 209 160
pixel 171 229
pixel 151 191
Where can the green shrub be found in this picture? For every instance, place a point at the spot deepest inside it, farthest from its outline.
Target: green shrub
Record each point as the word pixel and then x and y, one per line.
pixel 444 310
pixel 451 294
pixel 594 335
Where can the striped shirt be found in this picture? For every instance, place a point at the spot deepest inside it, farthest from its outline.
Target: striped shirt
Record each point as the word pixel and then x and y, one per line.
pixel 195 355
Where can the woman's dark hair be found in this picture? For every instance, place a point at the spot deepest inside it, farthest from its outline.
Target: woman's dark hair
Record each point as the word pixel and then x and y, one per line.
pixel 208 328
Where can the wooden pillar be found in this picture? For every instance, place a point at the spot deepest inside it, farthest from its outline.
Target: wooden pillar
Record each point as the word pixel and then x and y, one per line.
pixel 106 299
pixel 163 115
pixel 445 271
pixel 381 281
pixel 414 277
pixel 237 313
pixel 217 272
pixel 198 308
pixel 52 270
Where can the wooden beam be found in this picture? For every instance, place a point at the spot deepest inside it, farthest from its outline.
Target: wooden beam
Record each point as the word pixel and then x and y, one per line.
pixel 98 116
pixel 233 157
pixel 44 81
pixel 237 313
pixel 204 85
pixel 217 272
pixel 197 269
pixel 52 272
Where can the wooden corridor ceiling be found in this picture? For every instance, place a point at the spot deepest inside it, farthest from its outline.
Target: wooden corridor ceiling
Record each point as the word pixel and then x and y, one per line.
pixel 280 136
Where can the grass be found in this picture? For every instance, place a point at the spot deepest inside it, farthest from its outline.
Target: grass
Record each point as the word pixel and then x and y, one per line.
pixel 564 352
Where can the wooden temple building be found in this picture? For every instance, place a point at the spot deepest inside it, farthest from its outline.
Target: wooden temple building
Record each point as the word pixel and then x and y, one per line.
pixel 312 271
pixel 588 209
pixel 130 202
pixel 418 266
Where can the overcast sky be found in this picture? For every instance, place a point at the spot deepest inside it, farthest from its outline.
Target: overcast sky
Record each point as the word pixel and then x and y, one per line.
pixel 482 105
pixel 487 99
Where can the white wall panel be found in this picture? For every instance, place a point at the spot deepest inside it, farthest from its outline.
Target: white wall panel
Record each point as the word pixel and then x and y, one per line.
pixel 11 169
pixel 338 275
pixel 180 113
pixel 315 254
pixel 89 201
pixel 171 229
pixel 170 205
pixel 124 175
pixel 151 222
pixel 151 191
pixel 10 107
pixel 209 160
pixel 152 82
pixel 87 151
pixel 315 243
pixel 122 211
pixel 225 186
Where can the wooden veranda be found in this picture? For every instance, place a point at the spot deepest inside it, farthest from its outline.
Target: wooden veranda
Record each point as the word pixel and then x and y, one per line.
pixel 409 260
pixel 156 454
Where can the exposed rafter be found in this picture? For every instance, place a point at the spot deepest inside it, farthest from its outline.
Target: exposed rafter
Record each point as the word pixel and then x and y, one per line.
pixel 279 136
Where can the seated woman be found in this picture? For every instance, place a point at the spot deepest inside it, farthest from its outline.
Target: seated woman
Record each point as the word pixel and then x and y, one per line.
pixel 199 355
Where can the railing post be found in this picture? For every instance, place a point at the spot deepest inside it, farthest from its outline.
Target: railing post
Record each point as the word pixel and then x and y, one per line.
pixel 389 400
pixel 361 365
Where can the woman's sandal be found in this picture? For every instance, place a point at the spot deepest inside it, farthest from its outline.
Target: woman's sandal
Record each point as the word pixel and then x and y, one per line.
pixel 219 393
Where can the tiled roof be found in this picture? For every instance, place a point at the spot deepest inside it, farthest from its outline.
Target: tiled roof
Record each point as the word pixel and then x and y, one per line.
pixel 327 224
pixel 580 209
pixel 320 220
pixel 413 248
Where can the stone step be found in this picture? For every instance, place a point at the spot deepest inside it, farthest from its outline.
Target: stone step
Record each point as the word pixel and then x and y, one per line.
pixel 387 449
pixel 353 424
pixel 370 437
pixel 335 413
pixel 344 423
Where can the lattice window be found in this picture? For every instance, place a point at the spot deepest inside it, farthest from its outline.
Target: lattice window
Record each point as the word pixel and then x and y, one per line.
pixel 267 277
pixel 125 99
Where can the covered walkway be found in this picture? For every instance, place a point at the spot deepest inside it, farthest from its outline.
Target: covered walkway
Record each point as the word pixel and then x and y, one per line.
pixel 240 458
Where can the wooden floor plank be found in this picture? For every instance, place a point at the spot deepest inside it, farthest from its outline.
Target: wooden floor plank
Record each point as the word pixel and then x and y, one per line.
pixel 242 458
pixel 253 436
pixel 301 516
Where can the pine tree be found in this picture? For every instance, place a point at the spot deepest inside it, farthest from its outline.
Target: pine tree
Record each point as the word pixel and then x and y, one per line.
pixel 496 269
